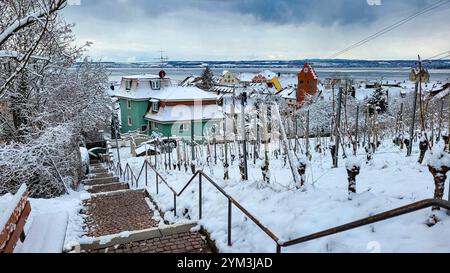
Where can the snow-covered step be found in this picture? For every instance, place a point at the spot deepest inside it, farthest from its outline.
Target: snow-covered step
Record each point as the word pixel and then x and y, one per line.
pixel 100 175
pixel 110 187
pixel 100 181
pixel 97 170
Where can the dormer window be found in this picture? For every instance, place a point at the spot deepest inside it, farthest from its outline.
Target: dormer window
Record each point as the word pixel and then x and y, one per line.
pixel 155 84
pixel 155 105
pixel 128 85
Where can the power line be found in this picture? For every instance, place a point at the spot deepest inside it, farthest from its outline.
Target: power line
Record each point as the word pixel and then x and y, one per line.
pixel 441 56
pixel 390 28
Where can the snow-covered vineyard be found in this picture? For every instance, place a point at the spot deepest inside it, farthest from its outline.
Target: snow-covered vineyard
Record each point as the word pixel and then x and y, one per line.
pixel 232 162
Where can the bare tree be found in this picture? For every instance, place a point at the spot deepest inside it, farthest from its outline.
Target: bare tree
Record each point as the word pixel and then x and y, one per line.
pixel 49 103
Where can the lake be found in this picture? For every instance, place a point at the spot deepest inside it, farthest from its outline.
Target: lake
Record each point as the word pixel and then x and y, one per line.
pixel 359 74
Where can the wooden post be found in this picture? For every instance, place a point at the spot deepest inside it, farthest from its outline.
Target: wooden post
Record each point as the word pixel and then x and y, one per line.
pixel 244 139
pixel 215 146
pixel 192 147
pixel 225 165
pixel 441 113
pixel 356 132
pixel 411 130
pixel 338 123
pixel 307 134
pixel 170 152
pixel 296 131
pixel 192 141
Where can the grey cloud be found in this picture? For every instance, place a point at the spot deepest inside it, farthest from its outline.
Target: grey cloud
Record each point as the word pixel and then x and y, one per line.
pixel 323 12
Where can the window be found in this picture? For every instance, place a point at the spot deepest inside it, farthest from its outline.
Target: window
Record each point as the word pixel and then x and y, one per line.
pixel 144 128
pixel 128 85
pixel 130 121
pixel 155 107
pixel 156 85
pixel 183 127
pixel 129 104
pixel 301 82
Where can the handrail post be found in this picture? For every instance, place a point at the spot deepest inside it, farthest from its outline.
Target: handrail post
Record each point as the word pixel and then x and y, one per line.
pixel 174 204
pixel 157 183
pixel 278 249
pixel 229 221
pixel 146 172
pixel 200 195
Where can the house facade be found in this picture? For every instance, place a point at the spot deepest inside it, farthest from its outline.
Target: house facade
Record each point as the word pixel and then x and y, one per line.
pixel 176 111
pixel 259 79
pixel 307 83
pixel 228 78
pixel 133 98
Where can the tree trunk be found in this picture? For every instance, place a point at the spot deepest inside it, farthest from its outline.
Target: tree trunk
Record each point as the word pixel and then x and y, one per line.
pixel 439 175
pixel 352 173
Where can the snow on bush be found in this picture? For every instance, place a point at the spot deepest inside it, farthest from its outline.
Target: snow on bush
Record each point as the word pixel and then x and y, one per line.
pixel 352 161
pixel 438 158
pixel 36 164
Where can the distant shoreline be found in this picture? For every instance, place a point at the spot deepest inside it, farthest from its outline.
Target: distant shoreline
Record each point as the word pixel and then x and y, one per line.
pixel 438 64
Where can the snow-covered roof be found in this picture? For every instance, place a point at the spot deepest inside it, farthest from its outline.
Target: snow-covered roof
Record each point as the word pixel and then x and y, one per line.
pixel 223 89
pixel 441 95
pixel 139 91
pixel 288 80
pixel 180 93
pixel 182 113
pixel 312 71
pixel 246 77
pixel 189 81
pixel 146 147
pixel 141 77
pixel 289 93
pixel 268 74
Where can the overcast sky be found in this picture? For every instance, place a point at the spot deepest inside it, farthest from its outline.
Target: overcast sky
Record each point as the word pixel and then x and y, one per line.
pixel 136 30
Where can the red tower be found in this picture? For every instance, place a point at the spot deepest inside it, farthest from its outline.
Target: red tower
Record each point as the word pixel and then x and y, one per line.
pixel 307 83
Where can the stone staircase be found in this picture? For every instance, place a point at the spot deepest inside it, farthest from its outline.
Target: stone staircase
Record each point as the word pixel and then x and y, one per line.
pixel 124 220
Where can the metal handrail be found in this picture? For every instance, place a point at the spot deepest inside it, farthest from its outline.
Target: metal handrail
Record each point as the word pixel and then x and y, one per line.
pixel 371 219
pixel 279 243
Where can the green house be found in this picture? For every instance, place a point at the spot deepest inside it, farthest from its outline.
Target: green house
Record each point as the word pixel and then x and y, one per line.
pixel 150 104
pixel 133 97
pixel 176 111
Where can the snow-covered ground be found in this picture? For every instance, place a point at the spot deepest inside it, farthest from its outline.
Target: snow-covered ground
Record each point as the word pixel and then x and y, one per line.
pixel 390 181
pixel 70 203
